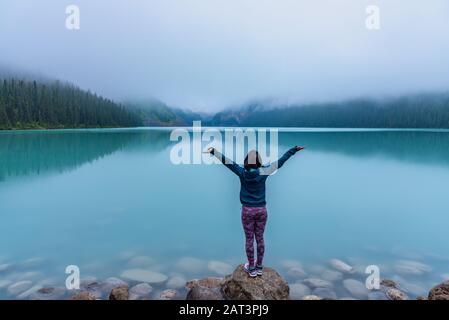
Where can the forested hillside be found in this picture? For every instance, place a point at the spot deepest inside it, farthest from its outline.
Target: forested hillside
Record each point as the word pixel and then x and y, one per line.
pixel 28 104
pixel 414 111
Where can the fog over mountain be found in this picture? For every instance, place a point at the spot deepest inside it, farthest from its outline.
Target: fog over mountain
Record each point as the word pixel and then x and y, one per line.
pixel 209 55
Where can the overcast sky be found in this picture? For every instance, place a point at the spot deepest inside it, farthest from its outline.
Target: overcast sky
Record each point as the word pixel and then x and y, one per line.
pixel 210 54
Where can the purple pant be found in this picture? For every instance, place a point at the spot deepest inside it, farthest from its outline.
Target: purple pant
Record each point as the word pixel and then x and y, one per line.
pixel 254 220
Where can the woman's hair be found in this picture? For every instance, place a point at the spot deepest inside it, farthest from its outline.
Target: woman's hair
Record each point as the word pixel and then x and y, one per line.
pixel 252 160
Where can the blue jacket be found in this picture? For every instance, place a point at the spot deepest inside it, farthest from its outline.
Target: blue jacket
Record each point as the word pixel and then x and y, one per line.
pixel 252 183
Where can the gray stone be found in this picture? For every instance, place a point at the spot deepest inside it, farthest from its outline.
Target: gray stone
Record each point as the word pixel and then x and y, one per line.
pixel 140 262
pixel 141 291
pixel 83 295
pixel 5 283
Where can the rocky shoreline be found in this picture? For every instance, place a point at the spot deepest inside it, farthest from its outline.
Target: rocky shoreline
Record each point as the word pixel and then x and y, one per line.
pixel 339 280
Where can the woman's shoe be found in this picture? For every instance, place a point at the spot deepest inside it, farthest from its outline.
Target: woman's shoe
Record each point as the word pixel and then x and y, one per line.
pixel 259 270
pixel 250 271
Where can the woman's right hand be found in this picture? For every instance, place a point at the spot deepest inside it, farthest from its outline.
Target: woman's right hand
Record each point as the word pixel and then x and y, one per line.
pixel 209 150
pixel 298 148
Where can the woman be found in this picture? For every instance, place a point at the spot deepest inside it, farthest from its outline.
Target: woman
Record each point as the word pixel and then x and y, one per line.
pixel 252 196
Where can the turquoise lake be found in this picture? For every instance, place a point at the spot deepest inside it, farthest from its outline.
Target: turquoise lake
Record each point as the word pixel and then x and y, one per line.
pixel 97 198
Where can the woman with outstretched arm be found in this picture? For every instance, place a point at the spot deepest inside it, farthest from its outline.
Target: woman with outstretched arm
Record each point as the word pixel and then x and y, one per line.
pixel 252 197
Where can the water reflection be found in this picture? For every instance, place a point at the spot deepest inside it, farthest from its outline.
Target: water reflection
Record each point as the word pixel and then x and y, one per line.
pixel 39 152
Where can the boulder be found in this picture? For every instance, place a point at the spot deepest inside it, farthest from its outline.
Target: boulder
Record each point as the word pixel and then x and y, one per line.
pixel 440 292
pixel 83 295
pixel 240 286
pixel 209 282
pixel 395 294
pixel 119 293
pixel 388 283
pixel 168 294
pixel 198 292
pixel 140 262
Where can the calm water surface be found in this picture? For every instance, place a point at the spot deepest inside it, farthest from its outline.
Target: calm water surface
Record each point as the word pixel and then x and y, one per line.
pixel 96 198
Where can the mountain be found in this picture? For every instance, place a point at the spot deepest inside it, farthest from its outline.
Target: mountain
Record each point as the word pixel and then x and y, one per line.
pixel 413 111
pixel 153 112
pixel 26 104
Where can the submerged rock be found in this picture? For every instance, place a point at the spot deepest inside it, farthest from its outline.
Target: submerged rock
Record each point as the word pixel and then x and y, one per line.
pixel 388 283
pixel 239 286
pixel 377 295
pixel 19 287
pixel 5 267
pixel 49 293
pixel 341 266
pixel 119 293
pixel 176 282
pixel 317 283
pixel 199 292
pixel 142 275
pixel 111 283
pixel 409 267
pixel 141 291
pixel 140 262
pixel 298 290
pixel 91 285
pixel 356 288
pixel 325 293
pixel 5 283
pixel 296 272
pixel 332 276
pixel 220 268
pixel 440 292
pixel 288 264
pixel 29 292
pixel 190 265
pixel 32 262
